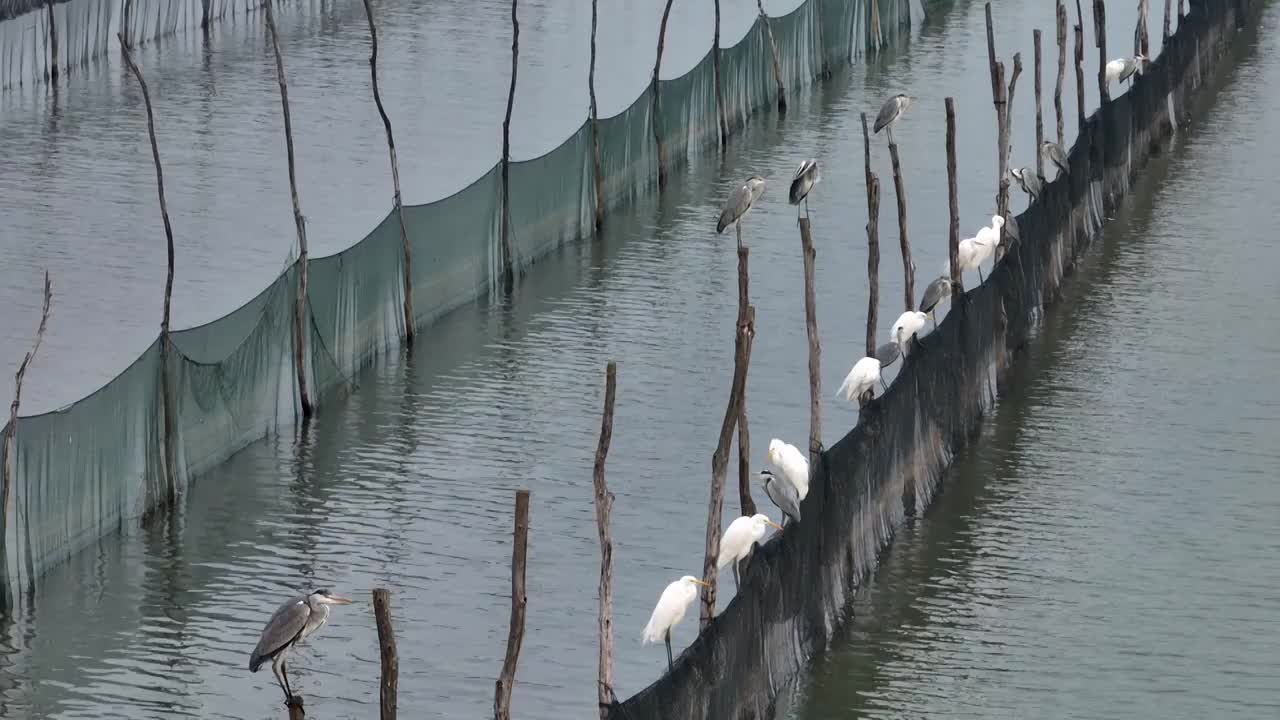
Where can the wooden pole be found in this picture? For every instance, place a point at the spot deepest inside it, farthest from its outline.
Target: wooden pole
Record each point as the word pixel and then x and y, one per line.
pixel 300 301
pixel 1062 71
pixel 595 123
pixel 206 8
pixel 397 199
pixel 1081 118
pixel 1002 201
pixel 1000 98
pixel 166 344
pixel 873 241
pixel 604 506
pixel 745 500
pixel 1140 39
pixel 515 636
pixel 1039 107
pixel 387 649
pixel 296 710
pixel 815 344
pixel 508 257
pixel 715 62
pixel 953 201
pixel 908 267
pixel 9 468
pixel 720 464
pixel 1100 41
pixel 875 24
pixel 657 95
pixel 53 44
pixel 1168 20
pixel 777 67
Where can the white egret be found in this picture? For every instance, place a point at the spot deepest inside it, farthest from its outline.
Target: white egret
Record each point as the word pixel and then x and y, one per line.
pixel 783 494
pixel 1053 152
pixel 970 255
pixel 938 290
pixel 738 539
pixel 891 112
pixel 740 201
pixel 294 621
pixel 789 461
pixel 669 611
pixel 990 235
pixel 1122 69
pixel 860 380
pixel 806 178
pixel 909 323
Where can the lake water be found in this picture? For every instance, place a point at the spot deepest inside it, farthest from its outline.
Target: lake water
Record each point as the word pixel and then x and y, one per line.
pixel 1107 550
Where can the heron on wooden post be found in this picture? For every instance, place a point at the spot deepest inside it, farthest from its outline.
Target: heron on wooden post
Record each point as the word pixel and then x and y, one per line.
pixel 805 179
pixel 739 203
pixel 297 619
pixel 891 112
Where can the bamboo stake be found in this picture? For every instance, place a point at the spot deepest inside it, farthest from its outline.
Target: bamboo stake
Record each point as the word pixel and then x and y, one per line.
pixel 908 267
pixel 387 651
pixel 515 637
pixel 9 468
pixel 657 94
pixel 953 201
pixel 715 62
pixel 397 199
pixel 815 344
pixel 1140 39
pixel 1062 71
pixel 745 500
pixel 300 301
pixel 508 258
pixel 1168 20
pixel 595 124
pixel 53 44
pixel 720 464
pixel 604 506
pixel 166 343
pixel 777 67
pixel 873 241
pixel 1039 107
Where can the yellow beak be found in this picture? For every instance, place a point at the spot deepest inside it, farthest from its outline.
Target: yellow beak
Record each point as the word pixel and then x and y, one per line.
pixel 337 600
pixel 774 524
pixel 702 583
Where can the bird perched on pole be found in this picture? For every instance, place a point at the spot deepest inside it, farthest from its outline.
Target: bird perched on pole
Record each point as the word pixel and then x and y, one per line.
pixel 806 178
pixel 1031 183
pixel 1122 69
pixel 1053 152
pixel 783 494
pixel 740 201
pixel 891 112
pixel 669 611
pixel 788 460
pixel 292 622
pixel 738 539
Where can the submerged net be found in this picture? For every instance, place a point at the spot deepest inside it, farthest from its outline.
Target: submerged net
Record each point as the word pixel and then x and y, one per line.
pixel 795 590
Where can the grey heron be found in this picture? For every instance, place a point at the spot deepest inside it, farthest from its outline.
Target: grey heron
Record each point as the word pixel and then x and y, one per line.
pixel 740 201
pixel 669 611
pixel 860 380
pixel 887 354
pixel 908 324
pixel 738 539
pixel 1053 152
pixel 1122 69
pixel 1031 183
pixel 294 621
pixel 783 494
pixel 806 178
pixel 891 112
pixel 938 290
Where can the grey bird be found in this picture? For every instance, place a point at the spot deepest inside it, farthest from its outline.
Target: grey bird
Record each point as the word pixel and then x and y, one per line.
pixel 888 353
pixel 891 112
pixel 1031 183
pixel 783 494
pixel 1052 152
pixel 806 178
pixel 938 290
pixel 292 622
pixel 741 200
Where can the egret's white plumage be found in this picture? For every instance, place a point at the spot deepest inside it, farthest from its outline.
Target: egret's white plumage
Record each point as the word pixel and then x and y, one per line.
pixel 990 235
pixel 791 463
pixel 970 254
pixel 670 610
pixel 863 377
pixel 1122 69
pixel 740 536
pixel 909 323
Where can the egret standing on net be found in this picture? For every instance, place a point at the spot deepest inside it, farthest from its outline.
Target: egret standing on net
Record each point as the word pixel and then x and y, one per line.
pixel 1053 152
pixel 736 543
pixel 783 494
pixel 806 178
pixel 860 380
pixel 669 611
pixel 891 112
pixel 909 323
pixel 292 622
pixel 989 236
pixel 938 290
pixel 1031 183
pixel 789 461
pixel 970 255
pixel 740 201
pixel 1122 69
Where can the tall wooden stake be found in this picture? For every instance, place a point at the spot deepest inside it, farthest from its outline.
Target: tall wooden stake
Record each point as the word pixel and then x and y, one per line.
pixel 515 637
pixel 1168 20
pixel 1100 40
pixel 657 96
pixel 397 200
pixel 166 344
pixel 715 62
pixel 1062 71
pixel 387 651
pixel 9 468
pixel 604 506
pixel 1140 39
pixel 508 256
pixel 1039 108
pixel 1001 99
pixel 300 301
pixel 53 44
pixel 953 201
pixel 745 500
pixel 815 344
pixel 1006 146
pixel 595 124
pixel 777 67
pixel 1081 118
pixel 873 241
pixel 908 267
pixel 720 464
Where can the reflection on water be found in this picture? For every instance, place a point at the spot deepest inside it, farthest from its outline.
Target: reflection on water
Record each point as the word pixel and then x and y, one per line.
pixel 408 481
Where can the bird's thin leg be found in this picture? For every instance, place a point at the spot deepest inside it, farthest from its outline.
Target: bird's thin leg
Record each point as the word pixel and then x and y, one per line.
pixel 671 664
pixel 284 672
pixel 275 670
pixel 735 575
pixel 934 318
pixel 883 384
pixel 980 278
pixel 806 206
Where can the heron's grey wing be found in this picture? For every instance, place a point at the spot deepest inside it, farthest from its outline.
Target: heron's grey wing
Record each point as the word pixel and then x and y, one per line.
pixel 283 627
pixel 783 494
pixel 934 293
pixel 887 353
pixel 734 207
pixel 888 111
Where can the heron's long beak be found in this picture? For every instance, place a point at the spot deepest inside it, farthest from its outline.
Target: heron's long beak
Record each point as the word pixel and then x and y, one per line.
pixel 774 524
pixel 339 600
pixel 703 584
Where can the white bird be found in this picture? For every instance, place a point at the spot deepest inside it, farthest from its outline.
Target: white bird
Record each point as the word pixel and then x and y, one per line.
pixel 791 463
pixel 970 255
pixel 806 178
pixel 1122 69
pixel 669 611
pixel 736 543
pixel 861 379
pixel 908 324
pixel 990 235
